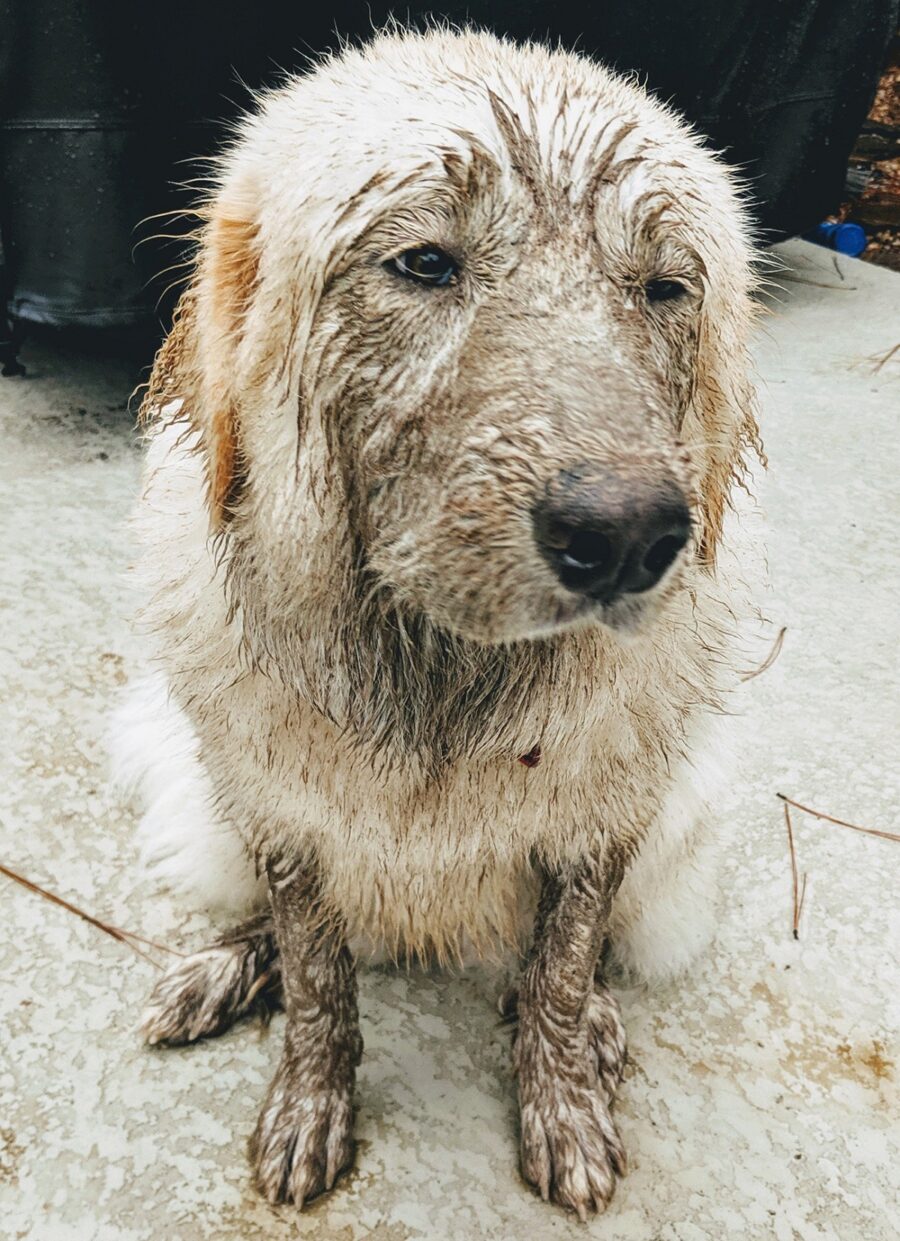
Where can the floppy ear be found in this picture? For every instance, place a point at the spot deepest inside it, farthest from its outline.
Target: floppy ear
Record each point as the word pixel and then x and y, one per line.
pixel 724 405
pixel 197 363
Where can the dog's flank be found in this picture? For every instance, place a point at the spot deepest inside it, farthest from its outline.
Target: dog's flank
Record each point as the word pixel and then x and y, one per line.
pixel 440 448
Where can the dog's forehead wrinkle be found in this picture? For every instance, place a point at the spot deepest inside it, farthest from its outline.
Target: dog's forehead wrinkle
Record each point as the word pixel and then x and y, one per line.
pixel 543 114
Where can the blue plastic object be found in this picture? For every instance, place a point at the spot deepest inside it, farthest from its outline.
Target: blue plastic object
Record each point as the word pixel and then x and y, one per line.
pixel 847 239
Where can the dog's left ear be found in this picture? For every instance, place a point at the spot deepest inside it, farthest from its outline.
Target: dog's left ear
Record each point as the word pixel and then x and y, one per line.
pixel 199 363
pixel 229 272
pixel 724 403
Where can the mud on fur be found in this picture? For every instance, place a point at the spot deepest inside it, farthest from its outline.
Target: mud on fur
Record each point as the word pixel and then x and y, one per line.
pixel 439 452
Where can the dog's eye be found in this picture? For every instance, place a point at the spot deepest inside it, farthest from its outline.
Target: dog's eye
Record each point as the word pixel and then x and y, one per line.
pixel 427 264
pixel 664 290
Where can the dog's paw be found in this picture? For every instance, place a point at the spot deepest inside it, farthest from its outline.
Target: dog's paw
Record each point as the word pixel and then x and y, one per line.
pixel 205 993
pixel 606 1039
pixel 571 1151
pixel 605 1034
pixel 303 1139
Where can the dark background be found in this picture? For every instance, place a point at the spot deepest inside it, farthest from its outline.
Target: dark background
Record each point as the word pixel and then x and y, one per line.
pixel 106 106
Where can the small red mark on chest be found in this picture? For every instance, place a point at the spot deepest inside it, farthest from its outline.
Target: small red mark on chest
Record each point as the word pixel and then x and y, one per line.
pixel 532 758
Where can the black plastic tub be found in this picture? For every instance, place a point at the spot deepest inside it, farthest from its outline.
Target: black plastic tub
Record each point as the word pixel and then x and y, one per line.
pixel 107 106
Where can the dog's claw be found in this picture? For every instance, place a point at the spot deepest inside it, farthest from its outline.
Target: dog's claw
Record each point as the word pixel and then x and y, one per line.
pixel 303 1140
pixel 569 1150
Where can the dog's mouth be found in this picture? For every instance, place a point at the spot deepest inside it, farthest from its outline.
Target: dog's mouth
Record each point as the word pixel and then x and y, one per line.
pixel 626 615
pixel 534 600
pixel 629 613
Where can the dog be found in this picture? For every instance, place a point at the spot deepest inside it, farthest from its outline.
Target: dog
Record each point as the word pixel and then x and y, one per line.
pixel 440 448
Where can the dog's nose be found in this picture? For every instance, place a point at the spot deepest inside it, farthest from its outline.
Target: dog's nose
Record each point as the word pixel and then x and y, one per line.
pixel 607 534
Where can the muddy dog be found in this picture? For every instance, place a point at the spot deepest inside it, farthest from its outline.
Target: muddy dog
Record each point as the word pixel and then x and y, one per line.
pixel 439 452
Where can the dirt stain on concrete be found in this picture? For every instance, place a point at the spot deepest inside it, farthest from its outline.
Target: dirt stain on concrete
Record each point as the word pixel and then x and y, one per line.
pixel 10 1154
pixel 871 1059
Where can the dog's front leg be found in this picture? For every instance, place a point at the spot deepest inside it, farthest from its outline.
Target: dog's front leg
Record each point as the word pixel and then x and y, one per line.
pixel 563 1058
pixel 303 1138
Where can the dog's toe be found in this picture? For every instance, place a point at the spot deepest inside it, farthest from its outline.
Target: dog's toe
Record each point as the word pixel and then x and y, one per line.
pixel 303 1141
pixel 571 1151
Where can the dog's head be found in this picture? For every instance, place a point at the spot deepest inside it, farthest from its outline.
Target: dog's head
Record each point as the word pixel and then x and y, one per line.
pixel 469 327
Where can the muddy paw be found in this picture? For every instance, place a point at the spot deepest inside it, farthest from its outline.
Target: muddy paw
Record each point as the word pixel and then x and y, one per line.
pixel 605 1033
pixel 205 993
pixel 303 1140
pixel 571 1151
pixel 606 1038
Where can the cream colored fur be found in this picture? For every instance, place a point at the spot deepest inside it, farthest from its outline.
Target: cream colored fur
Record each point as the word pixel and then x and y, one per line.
pixel 243 736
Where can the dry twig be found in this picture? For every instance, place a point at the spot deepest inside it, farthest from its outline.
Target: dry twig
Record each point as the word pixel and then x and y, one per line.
pixel 820 284
pixel 885 358
pixel 854 827
pixel 798 892
pixel 115 932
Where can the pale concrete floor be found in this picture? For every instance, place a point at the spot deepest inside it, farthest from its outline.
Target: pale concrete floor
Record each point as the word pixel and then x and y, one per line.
pixel 762 1097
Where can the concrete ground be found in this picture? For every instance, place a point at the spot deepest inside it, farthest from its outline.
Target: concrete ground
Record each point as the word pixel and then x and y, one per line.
pixel 761 1100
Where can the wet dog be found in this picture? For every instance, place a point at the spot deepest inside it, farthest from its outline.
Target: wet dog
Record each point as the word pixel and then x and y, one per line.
pixel 440 447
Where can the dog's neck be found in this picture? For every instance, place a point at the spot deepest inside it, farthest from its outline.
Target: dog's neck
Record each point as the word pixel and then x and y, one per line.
pixel 408 692
pixel 420 692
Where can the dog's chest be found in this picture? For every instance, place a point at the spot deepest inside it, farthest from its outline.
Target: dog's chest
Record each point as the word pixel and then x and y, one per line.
pixel 430 863
pixel 412 860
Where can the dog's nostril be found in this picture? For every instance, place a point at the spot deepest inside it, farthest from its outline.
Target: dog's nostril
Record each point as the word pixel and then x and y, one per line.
pixel 589 549
pixel 611 534
pixel 663 553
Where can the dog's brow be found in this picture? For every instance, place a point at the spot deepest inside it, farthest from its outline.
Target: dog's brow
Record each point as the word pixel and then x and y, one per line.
pixel 605 169
pixel 381 182
pixel 522 146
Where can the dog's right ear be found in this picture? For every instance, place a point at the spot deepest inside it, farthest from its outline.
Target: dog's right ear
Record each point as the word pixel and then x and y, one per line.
pixel 198 364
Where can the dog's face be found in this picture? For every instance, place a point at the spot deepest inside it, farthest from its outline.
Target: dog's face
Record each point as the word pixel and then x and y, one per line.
pixel 512 318
pixel 514 372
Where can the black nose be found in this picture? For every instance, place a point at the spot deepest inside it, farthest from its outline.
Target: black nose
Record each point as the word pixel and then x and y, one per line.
pixel 607 533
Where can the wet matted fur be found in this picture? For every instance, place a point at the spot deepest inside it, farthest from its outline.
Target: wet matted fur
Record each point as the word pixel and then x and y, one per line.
pixel 377 713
